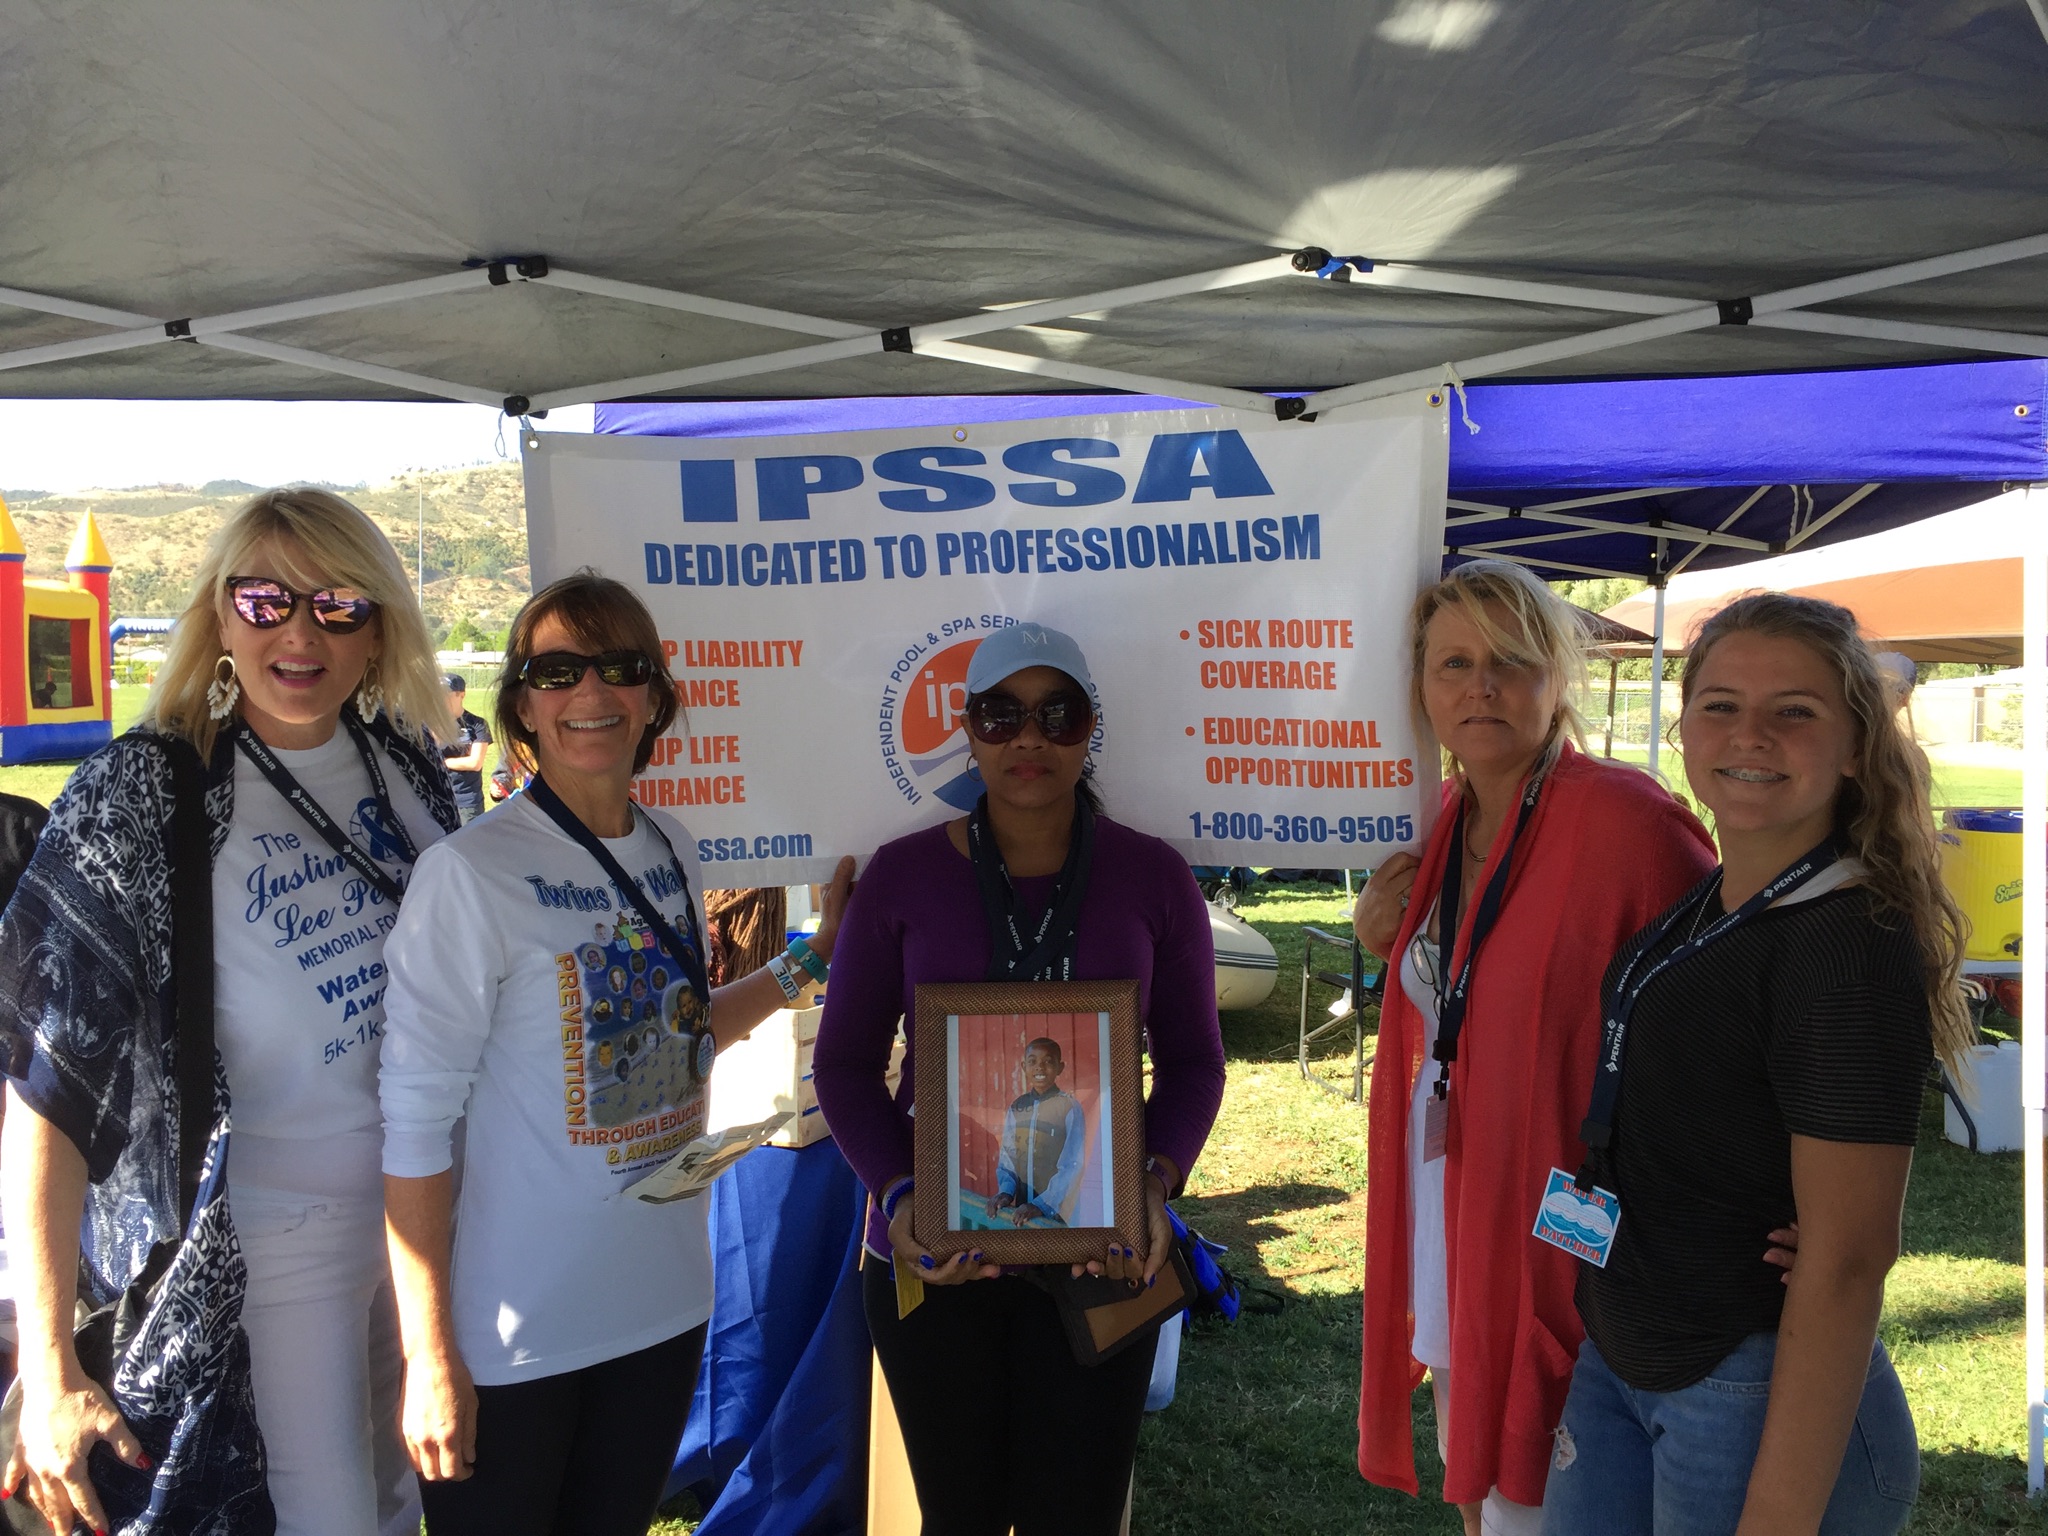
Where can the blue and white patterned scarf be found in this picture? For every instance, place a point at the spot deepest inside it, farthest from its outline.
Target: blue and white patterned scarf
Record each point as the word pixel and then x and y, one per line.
pixel 87 1008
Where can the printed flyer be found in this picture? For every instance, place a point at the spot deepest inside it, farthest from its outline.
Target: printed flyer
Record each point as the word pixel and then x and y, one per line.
pixel 1240 587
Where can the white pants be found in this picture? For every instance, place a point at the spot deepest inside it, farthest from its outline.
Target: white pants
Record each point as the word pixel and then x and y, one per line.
pixel 1498 1516
pixel 324 1352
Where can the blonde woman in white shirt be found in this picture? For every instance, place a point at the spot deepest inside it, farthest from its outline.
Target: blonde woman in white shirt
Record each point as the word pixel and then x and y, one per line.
pixel 301 676
pixel 553 1325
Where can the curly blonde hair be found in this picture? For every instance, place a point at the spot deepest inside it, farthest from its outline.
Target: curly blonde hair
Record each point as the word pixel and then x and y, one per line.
pixel 1545 633
pixel 321 539
pixel 1883 814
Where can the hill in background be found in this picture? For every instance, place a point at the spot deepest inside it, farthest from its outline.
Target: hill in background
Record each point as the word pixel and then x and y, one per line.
pixel 474 520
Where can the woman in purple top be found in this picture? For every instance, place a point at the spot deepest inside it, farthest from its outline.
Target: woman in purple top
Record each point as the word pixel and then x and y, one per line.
pixel 1004 1430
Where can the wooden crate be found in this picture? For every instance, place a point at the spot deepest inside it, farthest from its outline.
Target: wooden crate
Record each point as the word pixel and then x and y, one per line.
pixel 768 1072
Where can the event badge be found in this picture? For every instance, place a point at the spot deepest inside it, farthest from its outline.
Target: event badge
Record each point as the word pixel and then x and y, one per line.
pixel 1436 1127
pixel 909 1288
pixel 1580 1221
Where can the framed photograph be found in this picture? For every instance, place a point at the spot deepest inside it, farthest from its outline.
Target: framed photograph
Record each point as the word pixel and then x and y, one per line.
pixel 1030 1120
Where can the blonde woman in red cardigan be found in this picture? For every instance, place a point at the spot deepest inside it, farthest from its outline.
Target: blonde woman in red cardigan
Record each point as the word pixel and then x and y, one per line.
pixel 1554 859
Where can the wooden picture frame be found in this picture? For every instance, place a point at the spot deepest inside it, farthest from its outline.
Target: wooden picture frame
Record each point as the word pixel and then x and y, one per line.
pixel 985 1177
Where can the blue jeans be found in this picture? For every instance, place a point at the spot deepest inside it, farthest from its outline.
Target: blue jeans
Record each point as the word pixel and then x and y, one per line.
pixel 1678 1463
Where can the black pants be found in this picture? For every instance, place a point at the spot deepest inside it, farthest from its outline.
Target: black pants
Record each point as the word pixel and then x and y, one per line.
pixel 1002 1426
pixel 585 1453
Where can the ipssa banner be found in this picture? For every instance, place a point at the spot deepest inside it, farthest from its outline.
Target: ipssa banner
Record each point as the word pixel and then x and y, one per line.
pixel 1239 587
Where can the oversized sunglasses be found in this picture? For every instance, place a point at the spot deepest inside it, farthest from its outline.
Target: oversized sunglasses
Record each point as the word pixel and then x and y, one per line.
pixel 1064 719
pixel 564 669
pixel 265 604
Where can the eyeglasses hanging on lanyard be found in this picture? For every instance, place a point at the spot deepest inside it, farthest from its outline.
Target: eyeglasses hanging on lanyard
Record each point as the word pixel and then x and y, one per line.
pixel 1598 1130
pixel 1453 997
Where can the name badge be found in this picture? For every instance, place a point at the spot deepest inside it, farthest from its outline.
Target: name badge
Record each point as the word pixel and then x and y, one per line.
pixel 1579 1221
pixel 1436 1127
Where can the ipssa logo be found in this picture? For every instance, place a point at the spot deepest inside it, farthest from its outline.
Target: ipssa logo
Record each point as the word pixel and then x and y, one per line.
pixel 923 735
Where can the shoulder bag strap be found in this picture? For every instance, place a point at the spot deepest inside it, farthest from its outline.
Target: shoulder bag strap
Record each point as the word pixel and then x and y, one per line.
pixel 191 965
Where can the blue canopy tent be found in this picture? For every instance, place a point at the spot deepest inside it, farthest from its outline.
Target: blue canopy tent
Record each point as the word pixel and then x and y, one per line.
pixel 1630 477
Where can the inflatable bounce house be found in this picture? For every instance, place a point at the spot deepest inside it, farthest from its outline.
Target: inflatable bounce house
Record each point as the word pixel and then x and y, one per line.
pixel 56 661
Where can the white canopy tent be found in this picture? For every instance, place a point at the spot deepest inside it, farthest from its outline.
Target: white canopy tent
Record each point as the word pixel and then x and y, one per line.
pixel 527 204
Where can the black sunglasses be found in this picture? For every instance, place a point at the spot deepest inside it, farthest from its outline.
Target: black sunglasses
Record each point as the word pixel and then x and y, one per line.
pixel 1064 719
pixel 564 669
pixel 265 604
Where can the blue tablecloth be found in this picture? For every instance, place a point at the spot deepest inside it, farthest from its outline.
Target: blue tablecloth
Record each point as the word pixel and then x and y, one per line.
pixel 777 1439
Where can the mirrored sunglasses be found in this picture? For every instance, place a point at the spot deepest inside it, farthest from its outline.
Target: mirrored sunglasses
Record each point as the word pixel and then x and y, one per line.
pixel 265 604
pixel 564 669
pixel 1064 719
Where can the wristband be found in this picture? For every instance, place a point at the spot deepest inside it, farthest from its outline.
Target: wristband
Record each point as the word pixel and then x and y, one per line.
pixel 894 1198
pixel 807 957
pixel 779 969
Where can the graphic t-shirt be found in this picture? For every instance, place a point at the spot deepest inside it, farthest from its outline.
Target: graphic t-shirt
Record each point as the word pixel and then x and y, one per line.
pixel 530 1001
pixel 298 979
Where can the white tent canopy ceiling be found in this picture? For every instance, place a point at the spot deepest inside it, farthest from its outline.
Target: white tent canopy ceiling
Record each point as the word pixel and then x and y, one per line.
pixel 806 199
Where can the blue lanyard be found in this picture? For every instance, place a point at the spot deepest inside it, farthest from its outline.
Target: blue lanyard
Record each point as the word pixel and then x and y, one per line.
pixel 315 815
pixel 1598 1130
pixel 1451 1004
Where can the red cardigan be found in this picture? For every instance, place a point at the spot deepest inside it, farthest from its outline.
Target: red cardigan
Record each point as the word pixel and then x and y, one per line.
pixel 1606 851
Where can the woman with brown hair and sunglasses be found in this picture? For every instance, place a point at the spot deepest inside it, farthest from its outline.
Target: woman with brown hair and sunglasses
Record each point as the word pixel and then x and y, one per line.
pixel 300 687
pixel 1004 1430
pixel 549 991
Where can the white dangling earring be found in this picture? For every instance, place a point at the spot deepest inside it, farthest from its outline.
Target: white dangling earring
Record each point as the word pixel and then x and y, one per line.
pixel 370 694
pixel 222 692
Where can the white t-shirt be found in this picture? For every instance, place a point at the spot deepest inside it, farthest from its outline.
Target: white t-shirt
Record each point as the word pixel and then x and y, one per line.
pixel 527 997
pixel 1428 1268
pixel 298 971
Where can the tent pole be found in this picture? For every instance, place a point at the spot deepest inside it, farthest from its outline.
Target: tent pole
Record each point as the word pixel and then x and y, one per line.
pixel 2034 976
pixel 1657 679
pixel 1613 671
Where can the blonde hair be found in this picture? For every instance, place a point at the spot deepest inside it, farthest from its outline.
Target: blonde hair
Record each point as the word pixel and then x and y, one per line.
pixel 321 539
pixel 1883 815
pixel 1546 634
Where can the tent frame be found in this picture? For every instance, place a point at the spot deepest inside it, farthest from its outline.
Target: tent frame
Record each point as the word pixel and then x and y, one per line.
pixel 1789 308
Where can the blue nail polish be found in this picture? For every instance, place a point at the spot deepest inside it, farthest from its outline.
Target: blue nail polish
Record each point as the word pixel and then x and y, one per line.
pixel 925 1259
pixel 976 1255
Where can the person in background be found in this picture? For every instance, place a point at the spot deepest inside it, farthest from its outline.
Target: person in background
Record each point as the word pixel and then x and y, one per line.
pixel 262 1394
pixel 549 991
pixel 1003 1428
pixel 1771 1035
pixel 462 753
pixel 1543 860
pixel 21 823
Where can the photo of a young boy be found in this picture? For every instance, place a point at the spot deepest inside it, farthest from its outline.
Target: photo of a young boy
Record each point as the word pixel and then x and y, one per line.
pixel 1044 1144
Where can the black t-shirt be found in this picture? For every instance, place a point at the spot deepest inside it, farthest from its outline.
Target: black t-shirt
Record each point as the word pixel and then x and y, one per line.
pixel 469 782
pixel 1811 1019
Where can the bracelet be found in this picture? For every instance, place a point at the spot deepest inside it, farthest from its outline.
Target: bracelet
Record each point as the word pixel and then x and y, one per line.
pixel 807 957
pixel 894 1198
pixel 779 969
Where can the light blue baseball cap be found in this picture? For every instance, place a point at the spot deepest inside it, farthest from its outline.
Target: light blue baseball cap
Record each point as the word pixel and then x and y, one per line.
pixel 1017 646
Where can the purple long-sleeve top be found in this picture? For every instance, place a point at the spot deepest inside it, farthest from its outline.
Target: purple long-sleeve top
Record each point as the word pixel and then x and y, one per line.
pixel 916 917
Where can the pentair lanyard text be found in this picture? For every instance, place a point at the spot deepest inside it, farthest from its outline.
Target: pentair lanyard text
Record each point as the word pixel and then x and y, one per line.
pixel 1451 1002
pixel 300 799
pixel 1598 1130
